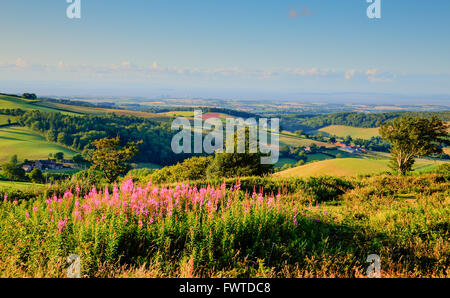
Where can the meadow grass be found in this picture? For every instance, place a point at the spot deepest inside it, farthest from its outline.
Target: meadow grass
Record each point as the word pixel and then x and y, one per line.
pixel 27 144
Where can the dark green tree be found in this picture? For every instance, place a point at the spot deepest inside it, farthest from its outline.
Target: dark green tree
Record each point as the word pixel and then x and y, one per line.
pixel 111 158
pixel 226 165
pixel 36 176
pixel 59 155
pixel 13 170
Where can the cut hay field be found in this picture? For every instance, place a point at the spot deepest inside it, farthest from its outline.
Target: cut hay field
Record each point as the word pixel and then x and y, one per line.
pixel 190 115
pixel 292 140
pixel 179 114
pixel 347 167
pixel 355 132
pixel 27 144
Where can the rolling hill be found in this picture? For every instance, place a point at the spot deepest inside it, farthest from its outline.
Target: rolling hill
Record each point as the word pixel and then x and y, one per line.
pixel 346 167
pixel 355 132
pixel 27 144
pixel 104 111
pixel 11 102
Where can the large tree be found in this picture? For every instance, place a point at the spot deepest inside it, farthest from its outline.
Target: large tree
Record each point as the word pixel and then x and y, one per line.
pixel 112 159
pixel 413 137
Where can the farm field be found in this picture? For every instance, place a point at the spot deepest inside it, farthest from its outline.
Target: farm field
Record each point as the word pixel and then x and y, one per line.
pixel 347 167
pixel 27 144
pixel 291 140
pixel 178 114
pixel 355 132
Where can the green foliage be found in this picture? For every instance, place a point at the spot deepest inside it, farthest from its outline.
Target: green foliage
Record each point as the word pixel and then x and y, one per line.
pixel 227 165
pixel 78 133
pixel 413 137
pixel 36 176
pixel 13 170
pixel 190 169
pixel 31 96
pixel 78 159
pixel 112 159
pixel 59 155
pixel 404 219
pixel 89 177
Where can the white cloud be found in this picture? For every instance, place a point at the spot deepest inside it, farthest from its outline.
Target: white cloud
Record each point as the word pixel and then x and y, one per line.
pixel 21 63
pixel 350 73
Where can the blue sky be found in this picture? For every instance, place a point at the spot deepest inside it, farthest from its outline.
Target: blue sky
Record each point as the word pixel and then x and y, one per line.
pixel 225 48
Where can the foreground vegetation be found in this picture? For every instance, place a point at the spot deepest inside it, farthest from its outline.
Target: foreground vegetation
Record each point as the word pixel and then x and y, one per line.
pixel 319 228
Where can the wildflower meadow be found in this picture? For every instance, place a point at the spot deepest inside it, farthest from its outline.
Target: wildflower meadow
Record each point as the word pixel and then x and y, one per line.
pixel 182 230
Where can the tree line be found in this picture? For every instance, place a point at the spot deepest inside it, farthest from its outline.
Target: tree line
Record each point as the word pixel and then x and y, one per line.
pixel 79 133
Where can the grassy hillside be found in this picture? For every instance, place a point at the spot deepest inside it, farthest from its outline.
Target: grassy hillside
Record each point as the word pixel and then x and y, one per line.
pixel 4 119
pixel 103 111
pixel 27 144
pixel 10 102
pixel 354 132
pixel 346 167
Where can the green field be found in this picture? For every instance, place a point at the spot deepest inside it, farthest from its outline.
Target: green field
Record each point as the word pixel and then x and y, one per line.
pixel 347 167
pixel 27 144
pixel 4 119
pixel 6 186
pixel 283 161
pixel 355 132
pixel 9 102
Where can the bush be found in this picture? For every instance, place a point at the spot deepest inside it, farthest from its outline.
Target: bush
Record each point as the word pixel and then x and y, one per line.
pixel 190 169
pixel 36 176
pixel 314 189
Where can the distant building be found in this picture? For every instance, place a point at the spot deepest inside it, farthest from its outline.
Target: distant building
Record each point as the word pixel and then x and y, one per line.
pixel 49 164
